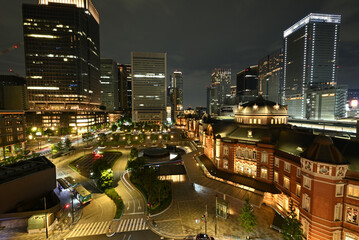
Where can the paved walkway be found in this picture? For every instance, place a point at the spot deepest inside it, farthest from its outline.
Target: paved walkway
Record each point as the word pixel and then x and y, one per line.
pixel 189 203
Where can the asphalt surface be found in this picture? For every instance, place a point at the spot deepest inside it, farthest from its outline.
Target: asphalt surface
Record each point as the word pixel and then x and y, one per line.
pixel 141 235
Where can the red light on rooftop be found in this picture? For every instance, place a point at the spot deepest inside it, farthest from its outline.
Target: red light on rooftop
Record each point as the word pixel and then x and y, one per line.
pixel 15 46
pixel 67 205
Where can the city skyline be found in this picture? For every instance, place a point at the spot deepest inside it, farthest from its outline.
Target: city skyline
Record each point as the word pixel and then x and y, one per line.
pixel 205 42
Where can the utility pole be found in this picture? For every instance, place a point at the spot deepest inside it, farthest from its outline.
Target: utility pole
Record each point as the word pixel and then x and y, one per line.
pixel 215 223
pixel 205 221
pixel 47 231
pixel 72 206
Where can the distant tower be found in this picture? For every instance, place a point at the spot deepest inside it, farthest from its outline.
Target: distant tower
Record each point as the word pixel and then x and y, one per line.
pixel 219 90
pixel 62 54
pixel 310 59
pixel 270 72
pixel 247 84
pixel 176 92
pixel 149 86
pixel 109 84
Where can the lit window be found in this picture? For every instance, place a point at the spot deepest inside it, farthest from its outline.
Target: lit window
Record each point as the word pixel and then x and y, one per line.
pixel 225 163
pixel 276 177
pixel 286 183
pixel 297 189
pixel 239 152
pixel 259 121
pixel 353 191
pixel 264 173
pixel 351 215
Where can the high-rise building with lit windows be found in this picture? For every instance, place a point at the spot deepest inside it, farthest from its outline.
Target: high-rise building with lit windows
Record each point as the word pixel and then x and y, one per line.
pixel 62 54
pixel 109 85
pixel 310 59
pixel 176 94
pixel 149 72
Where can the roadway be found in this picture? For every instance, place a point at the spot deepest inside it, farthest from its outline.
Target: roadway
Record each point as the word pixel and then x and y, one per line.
pixel 134 235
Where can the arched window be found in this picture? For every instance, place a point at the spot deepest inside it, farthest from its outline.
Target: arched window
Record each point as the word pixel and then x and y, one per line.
pixel 238 152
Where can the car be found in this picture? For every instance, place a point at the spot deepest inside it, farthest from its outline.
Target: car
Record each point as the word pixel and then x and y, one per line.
pixel 202 236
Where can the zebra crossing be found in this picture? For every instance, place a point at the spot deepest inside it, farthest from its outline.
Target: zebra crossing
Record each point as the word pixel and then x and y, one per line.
pixel 98 228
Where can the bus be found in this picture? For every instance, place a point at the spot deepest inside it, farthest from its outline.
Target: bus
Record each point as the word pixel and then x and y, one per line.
pixel 82 194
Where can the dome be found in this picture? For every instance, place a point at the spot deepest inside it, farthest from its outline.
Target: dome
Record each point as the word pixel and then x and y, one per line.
pixel 322 149
pixel 261 107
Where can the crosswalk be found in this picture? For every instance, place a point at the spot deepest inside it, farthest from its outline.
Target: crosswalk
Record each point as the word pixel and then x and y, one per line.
pixel 98 228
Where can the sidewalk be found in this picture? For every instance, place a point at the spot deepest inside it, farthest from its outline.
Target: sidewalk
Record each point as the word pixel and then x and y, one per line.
pixel 189 204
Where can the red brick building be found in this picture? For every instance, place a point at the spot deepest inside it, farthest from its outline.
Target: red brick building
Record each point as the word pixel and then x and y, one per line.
pixel 318 173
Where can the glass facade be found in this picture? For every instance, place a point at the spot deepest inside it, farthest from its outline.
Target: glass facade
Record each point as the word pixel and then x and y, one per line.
pixel 247 84
pixel 270 73
pixel 310 59
pixel 149 72
pixel 61 56
pixel 109 84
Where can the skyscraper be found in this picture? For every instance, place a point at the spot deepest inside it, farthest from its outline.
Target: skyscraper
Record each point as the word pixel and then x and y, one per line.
pixel 176 93
pixel 310 59
pixel 270 74
pixel 219 90
pixel 62 54
pixel 247 84
pixel 109 84
pixel 149 86
pixel 124 86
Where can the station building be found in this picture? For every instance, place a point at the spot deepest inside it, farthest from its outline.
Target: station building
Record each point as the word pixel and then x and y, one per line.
pixel 260 152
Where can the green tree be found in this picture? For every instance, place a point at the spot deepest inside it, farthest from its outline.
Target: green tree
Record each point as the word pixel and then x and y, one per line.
pixel 67 144
pixel 292 227
pixel 137 166
pixel 106 179
pixel 247 219
pixel 99 166
pixel 133 153
pixel 114 128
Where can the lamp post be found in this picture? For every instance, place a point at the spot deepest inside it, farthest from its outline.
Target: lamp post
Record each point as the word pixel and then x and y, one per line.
pixel 47 231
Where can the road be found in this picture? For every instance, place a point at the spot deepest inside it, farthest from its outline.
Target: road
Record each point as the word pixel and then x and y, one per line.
pixel 138 235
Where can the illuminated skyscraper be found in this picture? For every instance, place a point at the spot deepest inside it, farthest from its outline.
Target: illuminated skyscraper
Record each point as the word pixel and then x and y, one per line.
pixel 176 93
pixel 219 90
pixel 149 86
pixel 310 60
pixel 270 73
pixel 62 54
pixel 109 84
pixel 247 84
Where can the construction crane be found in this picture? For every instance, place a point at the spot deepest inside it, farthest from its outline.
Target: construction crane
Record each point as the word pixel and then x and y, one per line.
pixel 11 48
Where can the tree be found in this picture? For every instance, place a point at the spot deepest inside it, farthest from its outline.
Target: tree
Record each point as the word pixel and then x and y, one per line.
pixel 137 165
pixel 67 144
pixel 106 179
pixel 114 128
pixel 133 153
pixel 247 219
pixel 292 227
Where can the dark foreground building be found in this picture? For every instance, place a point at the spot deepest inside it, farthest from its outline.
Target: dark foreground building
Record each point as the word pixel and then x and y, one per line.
pixel 25 181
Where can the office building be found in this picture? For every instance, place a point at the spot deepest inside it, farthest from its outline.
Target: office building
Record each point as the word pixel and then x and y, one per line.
pixel 149 86
pixel 219 90
pixel 310 59
pixel 62 54
pixel 270 75
pixel 267 160
pixel 109 85
pixel 326 103
pixel 176 94
pixel 247 84
pixel 12 132
pixel 125 87
pixel 13 93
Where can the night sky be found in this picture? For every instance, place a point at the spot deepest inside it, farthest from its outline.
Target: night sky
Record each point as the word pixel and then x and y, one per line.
pixel 198 35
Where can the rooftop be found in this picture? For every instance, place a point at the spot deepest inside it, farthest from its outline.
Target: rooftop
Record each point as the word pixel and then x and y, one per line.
pixel 23 168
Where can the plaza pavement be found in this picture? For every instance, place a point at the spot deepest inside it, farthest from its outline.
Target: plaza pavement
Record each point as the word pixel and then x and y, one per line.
pixel 189 203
